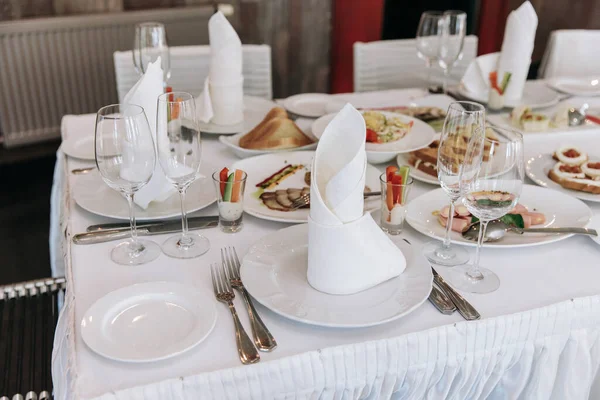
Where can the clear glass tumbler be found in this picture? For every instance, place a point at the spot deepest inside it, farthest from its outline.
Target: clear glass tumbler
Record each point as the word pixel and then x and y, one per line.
pixel 230 187
pixel 394 199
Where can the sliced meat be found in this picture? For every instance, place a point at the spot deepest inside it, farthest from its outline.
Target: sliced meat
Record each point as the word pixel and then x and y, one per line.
pixel 294 194
pixel 459 224
pixel 283 199
pixel 519 209
pixel 269 199
pixel 526 220
pixel 305 190
pixel 537 218
pixel 462 211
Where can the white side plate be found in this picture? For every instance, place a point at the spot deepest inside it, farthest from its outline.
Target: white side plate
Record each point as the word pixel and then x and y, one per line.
pixel 576 86
pixel 535 95
pixel 255 109
pixel 148 321
pixel 561 210
pixel 310 105
pixel 537 169
pixel 274 272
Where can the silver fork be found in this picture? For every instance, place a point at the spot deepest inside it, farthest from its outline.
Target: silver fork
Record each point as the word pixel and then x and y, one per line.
pixel 263 339
pixel 223 292
pixel 304 200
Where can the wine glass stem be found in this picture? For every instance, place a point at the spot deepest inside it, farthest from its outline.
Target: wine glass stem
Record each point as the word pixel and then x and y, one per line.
pixel 474 272
pixel 185 239
pixel 446 244
pixel 132 224
pixel 445 82
pixel 428 67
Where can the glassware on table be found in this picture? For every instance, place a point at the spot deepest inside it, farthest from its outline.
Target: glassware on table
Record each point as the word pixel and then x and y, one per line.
pixel 490 193
pixel 428 38
pixel 150 43
pixel 125 157
pixel 179 153
pixel 230 198
pixel 452 39
pixel 394 199
pixel 464 123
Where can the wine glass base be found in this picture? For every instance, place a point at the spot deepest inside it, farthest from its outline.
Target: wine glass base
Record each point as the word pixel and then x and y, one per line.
pixel 125 254
pixel 459 279
pixel 448 257
pixel 196 246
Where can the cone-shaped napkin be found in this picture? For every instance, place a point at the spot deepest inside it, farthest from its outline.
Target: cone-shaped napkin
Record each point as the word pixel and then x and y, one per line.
pixel 347 251
pixel 145 93
pixel 221 102
pixel 515 57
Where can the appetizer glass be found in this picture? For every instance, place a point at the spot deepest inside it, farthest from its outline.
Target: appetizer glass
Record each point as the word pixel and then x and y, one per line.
pixel 230 188
pixel 394 198
pixel 179 152
pixel 490 193
pixel 464 125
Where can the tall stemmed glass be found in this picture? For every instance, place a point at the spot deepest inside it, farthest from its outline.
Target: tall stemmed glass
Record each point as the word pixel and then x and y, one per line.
pixel 428 38
pixel 452 39
pixel 491 193
pixel 179 152
pixel 150 43
pixel 125 157
pixel 463 120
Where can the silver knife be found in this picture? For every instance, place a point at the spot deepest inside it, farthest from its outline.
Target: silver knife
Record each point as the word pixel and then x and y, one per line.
pixel 125 225
pixel 463 306
pixel 157 229
pixel 441 301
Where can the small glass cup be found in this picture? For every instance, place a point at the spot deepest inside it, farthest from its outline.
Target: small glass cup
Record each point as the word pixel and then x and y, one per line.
pixel 231 213
pixel 394 198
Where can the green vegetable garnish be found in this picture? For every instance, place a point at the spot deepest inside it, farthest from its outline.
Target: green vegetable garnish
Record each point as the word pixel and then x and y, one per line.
pixel 505 81
pixel 228 188
pixel 493 203
pixel 515 220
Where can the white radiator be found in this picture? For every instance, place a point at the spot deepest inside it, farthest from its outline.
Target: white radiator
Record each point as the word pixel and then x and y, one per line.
pixel 55 66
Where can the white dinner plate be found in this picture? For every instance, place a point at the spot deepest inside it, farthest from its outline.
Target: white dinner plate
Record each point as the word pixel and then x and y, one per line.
pixel 93 195
pixel 420 135
pixel 148 321
pixel 81 147
pixel 255 109
pixel 535 95
pixel 561 210
pixel 261 167
pixel 233 141
pixel 576 86
pixel 310 105
pixel 402 159
pixel 274 272
pixel 537 169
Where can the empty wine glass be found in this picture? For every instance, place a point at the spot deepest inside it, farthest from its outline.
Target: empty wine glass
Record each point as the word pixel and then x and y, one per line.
pixel 463 120
pixel 452 38
pixel 428 38
pixel 490 193
pixel 125 157
pixel 150 43
pixel 179 152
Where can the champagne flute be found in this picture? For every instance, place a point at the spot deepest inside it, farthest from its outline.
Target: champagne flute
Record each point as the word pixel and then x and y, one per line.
pixel 179 152
pixel 125 157
pixel 491 192
pixel 452 39
pixel 428 38
pixel 463 120
pixel 150 43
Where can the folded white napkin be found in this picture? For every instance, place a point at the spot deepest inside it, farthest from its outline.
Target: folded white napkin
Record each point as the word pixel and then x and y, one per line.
pixel 347 251
pixel 145 93
pixel 515 56
pixel 221 101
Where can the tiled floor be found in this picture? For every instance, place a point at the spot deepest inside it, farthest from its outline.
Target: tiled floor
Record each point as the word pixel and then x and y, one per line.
pixel 25 219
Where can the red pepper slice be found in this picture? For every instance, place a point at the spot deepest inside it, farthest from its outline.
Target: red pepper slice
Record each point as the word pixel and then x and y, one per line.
pixel 223 180
pixel 372 136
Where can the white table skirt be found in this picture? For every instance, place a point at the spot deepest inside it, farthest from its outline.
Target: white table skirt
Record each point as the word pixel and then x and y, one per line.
pixel 538 337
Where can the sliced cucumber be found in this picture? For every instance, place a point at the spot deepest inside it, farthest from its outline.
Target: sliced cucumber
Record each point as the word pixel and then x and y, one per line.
pixel 403 172
pixel 228 187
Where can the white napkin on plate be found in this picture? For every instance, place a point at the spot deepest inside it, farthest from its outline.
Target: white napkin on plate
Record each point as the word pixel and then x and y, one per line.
pixel 145 93
pixel 347 251
pixel 515 56
pixel 221 101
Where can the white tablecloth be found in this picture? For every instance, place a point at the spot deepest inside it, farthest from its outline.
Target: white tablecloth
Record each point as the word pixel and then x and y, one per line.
pixel 539 336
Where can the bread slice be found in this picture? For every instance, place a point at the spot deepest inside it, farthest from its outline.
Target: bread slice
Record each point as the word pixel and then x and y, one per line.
pixel 275 132
pixel 574 184
pixel 426 167
pixel 275 112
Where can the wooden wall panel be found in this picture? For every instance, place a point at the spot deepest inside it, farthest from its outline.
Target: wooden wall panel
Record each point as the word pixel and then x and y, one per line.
pixel 299 33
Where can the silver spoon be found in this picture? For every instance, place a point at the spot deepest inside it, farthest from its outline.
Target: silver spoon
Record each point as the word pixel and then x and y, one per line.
pixel 577 116
pixel 497 229
pixel 79 171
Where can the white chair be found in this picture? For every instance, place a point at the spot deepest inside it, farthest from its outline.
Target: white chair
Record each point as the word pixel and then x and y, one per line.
pixel 571 53
pixel 189 69
pixel 394 64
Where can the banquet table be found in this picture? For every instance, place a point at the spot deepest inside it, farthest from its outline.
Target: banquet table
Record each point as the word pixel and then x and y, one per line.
pixel 539 336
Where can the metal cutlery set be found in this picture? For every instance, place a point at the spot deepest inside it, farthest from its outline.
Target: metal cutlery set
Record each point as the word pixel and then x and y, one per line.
pixel 224 280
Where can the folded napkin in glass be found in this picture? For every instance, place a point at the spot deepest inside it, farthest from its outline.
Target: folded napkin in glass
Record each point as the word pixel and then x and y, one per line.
pixel 347 251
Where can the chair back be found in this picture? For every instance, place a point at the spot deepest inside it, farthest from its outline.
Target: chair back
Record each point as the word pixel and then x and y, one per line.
pixel 571 53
